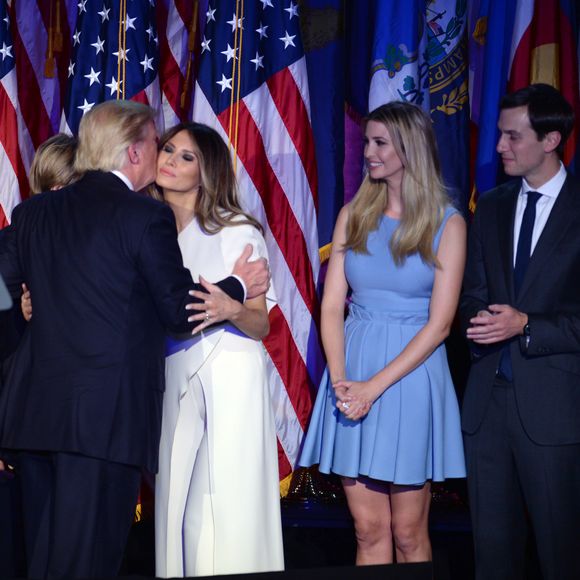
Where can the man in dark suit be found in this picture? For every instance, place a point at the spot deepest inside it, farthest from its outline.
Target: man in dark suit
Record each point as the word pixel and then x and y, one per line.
pixel 521 310
pixel 107 279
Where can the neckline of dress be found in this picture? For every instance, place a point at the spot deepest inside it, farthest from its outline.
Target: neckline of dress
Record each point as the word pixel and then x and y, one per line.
pixel 391 218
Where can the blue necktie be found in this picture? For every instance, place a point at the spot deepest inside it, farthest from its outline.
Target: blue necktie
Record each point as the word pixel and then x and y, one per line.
pixel 522 260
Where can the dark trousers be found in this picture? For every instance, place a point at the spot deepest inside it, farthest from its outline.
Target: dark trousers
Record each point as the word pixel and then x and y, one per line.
pixel 77 514
pixel 511 481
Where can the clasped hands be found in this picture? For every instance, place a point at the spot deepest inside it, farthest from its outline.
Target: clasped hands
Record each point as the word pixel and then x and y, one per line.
pixel 499 322
pixel 354 399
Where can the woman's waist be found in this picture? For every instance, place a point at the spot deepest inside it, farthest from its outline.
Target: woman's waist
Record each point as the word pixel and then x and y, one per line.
pixel 414 317
pixel 175 344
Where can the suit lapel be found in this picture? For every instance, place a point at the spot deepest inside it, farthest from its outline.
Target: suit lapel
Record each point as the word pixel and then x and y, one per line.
pixel 562 215
pixel 506 209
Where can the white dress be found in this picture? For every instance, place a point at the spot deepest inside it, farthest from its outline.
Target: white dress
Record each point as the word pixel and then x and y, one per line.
pixel 217 498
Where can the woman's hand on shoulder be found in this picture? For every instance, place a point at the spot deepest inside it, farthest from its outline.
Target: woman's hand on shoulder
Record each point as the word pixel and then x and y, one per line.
pixel 215 306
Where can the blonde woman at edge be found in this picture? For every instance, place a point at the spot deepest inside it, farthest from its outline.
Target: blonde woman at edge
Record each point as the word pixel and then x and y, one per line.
pixel 217 498
pixel 386 417
pixel 52 168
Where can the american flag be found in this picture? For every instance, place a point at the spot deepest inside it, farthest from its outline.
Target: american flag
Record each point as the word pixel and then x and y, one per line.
pixel 11 168
pixel 252 87
pixel 116 56
pixel 48 46
pixel 60 57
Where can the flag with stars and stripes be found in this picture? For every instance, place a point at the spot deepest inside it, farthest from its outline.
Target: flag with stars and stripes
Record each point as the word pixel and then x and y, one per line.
pixel 252 87
pixel 13 183
pixel 115 56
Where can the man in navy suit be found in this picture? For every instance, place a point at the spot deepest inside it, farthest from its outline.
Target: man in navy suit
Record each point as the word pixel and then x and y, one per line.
pixel 107 279
pixel 521 311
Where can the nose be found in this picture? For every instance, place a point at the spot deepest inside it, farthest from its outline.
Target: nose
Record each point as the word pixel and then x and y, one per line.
pixel 501 144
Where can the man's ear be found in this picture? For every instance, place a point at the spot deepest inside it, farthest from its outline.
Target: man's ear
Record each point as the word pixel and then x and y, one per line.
pixel 551 141
pixel 134 153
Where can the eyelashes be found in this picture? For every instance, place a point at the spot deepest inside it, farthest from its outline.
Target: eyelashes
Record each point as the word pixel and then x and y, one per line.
pixel 169 149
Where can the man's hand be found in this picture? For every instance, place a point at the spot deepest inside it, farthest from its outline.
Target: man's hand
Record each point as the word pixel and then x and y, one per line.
pixel 256 275
pixel 26 303
pixel 500 322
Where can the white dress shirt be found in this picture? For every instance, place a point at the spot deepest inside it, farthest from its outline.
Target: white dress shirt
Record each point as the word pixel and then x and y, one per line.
pixel 549 191
pixel 123 178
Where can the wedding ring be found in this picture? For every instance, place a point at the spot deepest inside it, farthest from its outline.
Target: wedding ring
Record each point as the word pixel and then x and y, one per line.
pixel 207 316
pixel 345 405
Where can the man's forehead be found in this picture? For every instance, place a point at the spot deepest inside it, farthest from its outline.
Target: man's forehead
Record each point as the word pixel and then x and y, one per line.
pixel 516 118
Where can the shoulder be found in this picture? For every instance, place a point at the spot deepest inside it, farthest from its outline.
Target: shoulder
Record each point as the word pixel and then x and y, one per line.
pixel 572 184
pixel 35 205
pixel 343 216
pixel 236 237
pixel 493 196
pixel 344 212
pixel 339 235
pixel 452 225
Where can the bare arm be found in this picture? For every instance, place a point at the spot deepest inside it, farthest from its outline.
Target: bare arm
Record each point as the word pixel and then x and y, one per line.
pixel 332 309
pixel 251 317
pixel 444 298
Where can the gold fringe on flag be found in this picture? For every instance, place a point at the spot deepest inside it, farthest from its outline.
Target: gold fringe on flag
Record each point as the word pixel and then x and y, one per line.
pixel 191 49
pixel 324 253
pixel 239 23
pixel 121 58
pixel 236 81
pixel 285 485
pixel 49 62
pixel 57 41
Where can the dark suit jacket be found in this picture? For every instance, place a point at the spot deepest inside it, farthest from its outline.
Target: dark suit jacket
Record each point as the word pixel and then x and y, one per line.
pixel 107 279
pixel 547 374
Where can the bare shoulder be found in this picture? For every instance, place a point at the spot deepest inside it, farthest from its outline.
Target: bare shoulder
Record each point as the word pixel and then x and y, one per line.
pixel 342 218
pixel 455 226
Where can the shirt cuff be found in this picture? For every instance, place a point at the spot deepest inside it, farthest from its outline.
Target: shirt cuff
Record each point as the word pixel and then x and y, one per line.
pixel 243 286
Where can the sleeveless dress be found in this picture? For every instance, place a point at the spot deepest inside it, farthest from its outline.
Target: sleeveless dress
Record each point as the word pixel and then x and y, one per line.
pixel 412 432
pixel 217 494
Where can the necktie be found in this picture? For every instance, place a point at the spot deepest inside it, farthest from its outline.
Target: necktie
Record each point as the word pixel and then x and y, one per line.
pixel 525 240
pixel 522 260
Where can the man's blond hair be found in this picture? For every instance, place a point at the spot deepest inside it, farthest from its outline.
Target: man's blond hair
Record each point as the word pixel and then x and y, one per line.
pixel 106 132
pixel 53 164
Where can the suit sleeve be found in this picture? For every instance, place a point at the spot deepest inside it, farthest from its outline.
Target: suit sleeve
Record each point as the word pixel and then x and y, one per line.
pixel 10 267
pixel 475 295
pixel 169 281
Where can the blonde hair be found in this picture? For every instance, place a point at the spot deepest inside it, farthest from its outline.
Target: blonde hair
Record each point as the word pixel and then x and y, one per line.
pixel 106 132
pixel 52 166
pixel 422 190
pixel 216 205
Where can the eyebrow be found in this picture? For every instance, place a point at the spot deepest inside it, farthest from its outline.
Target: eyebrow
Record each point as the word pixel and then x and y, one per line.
pixel 510 132
pixel 170 142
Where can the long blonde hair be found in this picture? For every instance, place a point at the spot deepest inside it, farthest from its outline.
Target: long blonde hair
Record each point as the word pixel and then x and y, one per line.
pixel 216 205
pixel 422 190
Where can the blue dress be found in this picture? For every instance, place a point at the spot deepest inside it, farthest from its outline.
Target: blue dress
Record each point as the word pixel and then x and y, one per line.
pixel 412 432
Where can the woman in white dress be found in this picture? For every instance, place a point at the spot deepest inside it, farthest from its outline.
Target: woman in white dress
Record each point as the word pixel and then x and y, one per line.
pixel 217 492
